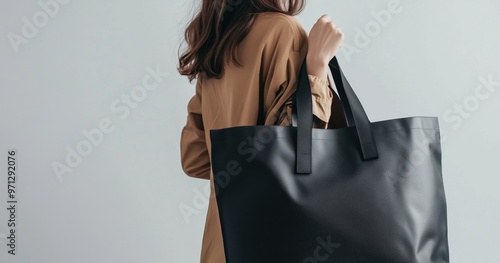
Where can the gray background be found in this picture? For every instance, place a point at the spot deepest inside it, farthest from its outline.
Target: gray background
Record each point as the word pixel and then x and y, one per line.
pixel 121 202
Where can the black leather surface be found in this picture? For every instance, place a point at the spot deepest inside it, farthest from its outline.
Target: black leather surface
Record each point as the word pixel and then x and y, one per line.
pixel 347 208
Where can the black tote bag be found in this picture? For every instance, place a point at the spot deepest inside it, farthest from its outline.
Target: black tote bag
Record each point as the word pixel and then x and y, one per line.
pixel 369 192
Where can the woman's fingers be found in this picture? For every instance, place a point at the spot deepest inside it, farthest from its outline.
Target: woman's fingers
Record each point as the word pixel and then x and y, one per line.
pixel 325 39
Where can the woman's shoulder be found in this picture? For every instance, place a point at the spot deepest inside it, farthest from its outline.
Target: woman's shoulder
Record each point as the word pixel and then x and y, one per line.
pixel 284 26
pixel 277 20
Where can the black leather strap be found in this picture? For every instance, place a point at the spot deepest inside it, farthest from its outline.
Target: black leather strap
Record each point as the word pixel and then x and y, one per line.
pixel 303 103
pixel 302 117
pixel 336 71
pixel 355 113
pixel 294 110
pixel 261 116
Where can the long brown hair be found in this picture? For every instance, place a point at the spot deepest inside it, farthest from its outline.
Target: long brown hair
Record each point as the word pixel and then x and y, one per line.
pixel 213 35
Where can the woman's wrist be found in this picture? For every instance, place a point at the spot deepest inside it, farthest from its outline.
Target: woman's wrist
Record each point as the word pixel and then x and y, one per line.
pixel 317 67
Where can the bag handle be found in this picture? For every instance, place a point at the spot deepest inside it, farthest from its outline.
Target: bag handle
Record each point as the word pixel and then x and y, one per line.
pixel 354 111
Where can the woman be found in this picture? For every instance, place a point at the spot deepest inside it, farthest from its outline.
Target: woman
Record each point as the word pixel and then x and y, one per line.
pixel 234 47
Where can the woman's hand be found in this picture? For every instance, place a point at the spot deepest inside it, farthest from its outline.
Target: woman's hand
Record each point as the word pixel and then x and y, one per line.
pixel 324 42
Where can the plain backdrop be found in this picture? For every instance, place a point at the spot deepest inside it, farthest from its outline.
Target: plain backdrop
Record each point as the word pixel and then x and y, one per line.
pixel 66 70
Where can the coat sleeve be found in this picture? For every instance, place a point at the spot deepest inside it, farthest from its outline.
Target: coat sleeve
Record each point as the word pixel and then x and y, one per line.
pixel 195 159
pixel 282 59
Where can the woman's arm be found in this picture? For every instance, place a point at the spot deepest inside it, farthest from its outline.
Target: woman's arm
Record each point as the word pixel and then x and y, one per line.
pixel 194 153
pixel 281 62
pixel 324 42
